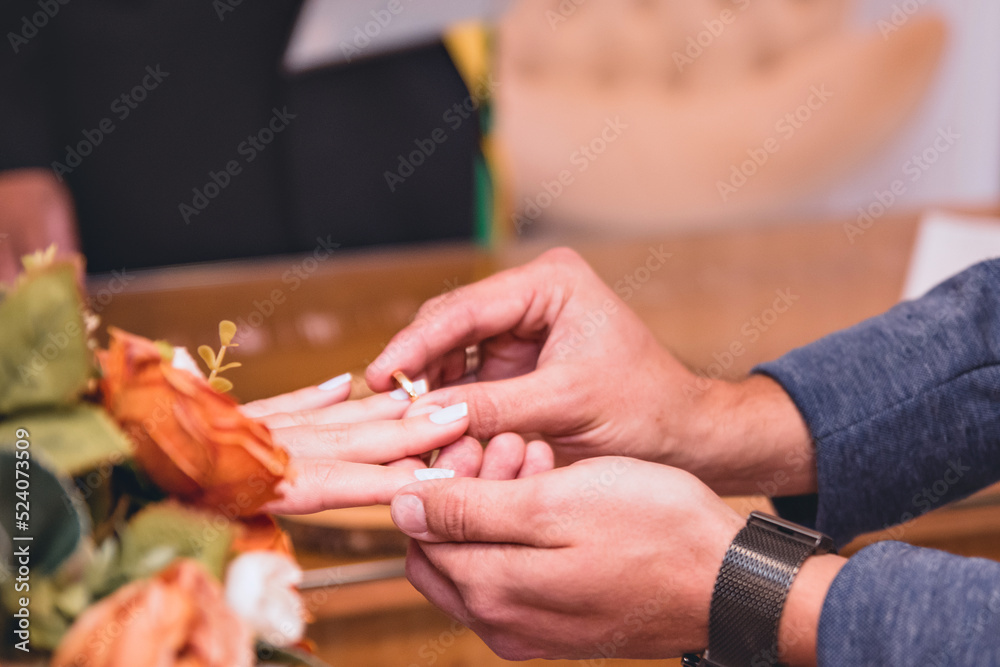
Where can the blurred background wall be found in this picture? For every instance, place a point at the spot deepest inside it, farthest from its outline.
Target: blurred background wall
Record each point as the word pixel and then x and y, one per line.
pixel 744 111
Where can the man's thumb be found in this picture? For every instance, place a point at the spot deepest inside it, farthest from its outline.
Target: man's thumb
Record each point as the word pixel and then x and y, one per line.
pixel 467 510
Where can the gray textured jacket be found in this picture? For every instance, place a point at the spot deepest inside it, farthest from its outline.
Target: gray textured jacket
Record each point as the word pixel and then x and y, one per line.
pixel 905 413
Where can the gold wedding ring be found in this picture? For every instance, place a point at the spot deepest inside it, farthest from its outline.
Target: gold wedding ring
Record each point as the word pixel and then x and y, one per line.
pixel 473 359
pixel 405 384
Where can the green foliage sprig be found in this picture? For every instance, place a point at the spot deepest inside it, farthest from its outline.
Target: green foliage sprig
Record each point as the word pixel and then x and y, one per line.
pixel 227 330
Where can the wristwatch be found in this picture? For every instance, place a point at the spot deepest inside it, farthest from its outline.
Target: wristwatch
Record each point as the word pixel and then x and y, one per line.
pixel 750 591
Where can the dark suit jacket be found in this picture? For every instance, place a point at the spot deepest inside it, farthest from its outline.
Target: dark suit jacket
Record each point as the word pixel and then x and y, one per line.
pixel 182 140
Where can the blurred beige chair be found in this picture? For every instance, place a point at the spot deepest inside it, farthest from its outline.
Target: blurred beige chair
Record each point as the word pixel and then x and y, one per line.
pixel 695 90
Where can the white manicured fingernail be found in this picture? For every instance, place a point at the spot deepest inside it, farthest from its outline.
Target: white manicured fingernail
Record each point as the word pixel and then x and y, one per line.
pixel 330 385
pixel 420 386
pixel 424 474
pixel 450 414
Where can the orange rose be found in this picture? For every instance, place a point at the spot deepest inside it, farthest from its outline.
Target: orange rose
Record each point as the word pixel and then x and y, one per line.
pixel 192 441
pixel 176 619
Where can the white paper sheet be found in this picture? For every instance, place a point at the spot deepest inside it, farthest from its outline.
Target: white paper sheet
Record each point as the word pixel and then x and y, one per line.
pixel 328 32
pixel 949 243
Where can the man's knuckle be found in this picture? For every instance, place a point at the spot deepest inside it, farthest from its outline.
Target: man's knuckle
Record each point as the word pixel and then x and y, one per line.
pixel 431 309
pixel 563 256
pixel 455 516
pixel 485 413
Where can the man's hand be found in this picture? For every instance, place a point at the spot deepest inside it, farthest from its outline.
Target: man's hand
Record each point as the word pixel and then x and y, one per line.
pixel 35 211
pixel 564 357
pixel 610 557
pixel 607 558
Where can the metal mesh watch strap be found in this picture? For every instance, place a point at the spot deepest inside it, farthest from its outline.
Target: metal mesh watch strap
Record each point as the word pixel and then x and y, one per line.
pixel 751 588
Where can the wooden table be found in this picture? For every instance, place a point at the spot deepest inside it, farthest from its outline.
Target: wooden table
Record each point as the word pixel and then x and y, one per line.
pixel 304 320
pixel 308 319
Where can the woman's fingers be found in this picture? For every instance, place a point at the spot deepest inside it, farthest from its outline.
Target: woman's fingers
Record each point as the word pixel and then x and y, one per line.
pixel 377 441
pixel 318 485
pixel 464 457
pixel 388 405
pixel 309 398
pixel 409 463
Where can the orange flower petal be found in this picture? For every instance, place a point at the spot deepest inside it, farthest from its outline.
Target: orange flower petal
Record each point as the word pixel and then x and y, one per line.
pixel 178 617
pixel 192 441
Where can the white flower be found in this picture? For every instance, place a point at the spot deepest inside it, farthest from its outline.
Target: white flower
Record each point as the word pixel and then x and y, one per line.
pixel 185 362
pixel 260 588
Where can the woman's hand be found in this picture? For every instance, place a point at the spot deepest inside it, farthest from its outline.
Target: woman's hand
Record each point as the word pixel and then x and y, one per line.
pixel 338 447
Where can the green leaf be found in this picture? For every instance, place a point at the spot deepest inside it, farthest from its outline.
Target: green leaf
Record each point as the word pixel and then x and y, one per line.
pixel 233 364
pixel 221 385
pixel 277 655
pixel 56 512
pixel 72 600
pixel 44 358
pixel 206 353
pixel 227 330
pixel 163 532
pixel 72 441
pixel 100 572
pixel 48 624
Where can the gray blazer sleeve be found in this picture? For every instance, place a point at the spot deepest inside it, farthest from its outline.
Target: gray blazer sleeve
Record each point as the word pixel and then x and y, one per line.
pixel 904 408
pixel 898 605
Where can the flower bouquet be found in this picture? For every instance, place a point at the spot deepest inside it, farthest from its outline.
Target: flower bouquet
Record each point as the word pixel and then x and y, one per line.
pixel 132 490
